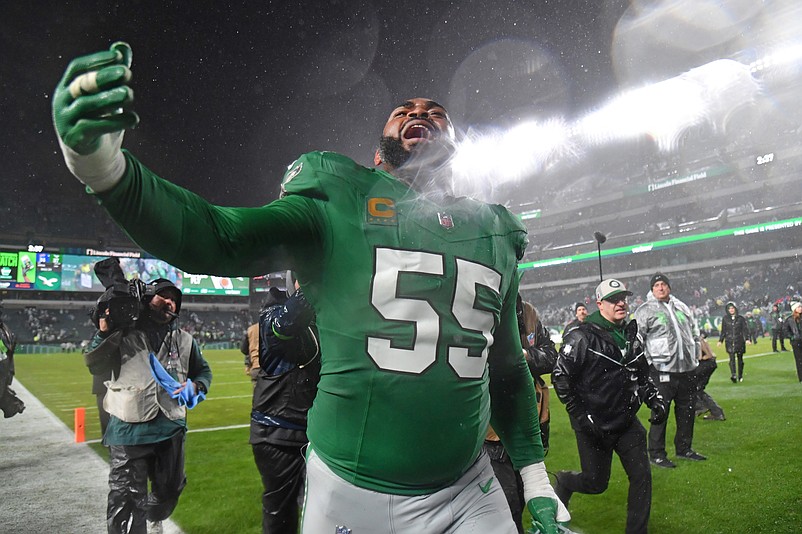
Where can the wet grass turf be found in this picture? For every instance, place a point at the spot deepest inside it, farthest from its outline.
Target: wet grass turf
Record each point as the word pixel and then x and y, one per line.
pixel 752 480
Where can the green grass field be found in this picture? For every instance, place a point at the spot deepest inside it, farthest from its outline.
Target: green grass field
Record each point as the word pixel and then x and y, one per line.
pixel 752 481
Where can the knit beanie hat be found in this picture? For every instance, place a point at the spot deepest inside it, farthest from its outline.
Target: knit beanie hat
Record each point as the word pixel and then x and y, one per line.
pixel 658 277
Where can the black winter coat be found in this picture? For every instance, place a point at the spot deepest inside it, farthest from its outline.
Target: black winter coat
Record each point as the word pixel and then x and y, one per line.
pixel 286 384
pixel 7 363
pixel 792 330
pixel 734 333
pixel 593 377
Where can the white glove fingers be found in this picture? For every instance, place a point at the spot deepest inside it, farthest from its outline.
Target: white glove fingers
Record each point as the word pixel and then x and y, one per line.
pixel 95 81
pixel 88 63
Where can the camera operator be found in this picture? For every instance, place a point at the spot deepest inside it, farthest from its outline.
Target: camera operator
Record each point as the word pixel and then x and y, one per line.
pixel 9 402
pixel 147 427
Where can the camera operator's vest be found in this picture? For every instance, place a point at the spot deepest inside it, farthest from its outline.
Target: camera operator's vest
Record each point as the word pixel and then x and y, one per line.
pixel 134 396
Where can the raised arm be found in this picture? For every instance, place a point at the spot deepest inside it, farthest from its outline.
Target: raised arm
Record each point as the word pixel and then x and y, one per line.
pixel 92 108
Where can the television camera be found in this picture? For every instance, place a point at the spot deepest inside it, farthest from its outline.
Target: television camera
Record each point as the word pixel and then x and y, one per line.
pixel 124 299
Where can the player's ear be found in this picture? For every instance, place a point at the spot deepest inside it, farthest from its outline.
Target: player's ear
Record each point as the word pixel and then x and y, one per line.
pixel 377 159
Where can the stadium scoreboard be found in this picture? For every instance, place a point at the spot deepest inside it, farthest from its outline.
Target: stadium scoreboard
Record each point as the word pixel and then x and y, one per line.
pixel 37 269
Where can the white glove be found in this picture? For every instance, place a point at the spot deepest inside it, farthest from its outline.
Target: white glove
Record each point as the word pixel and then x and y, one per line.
pixel 536 484
pixel 102 169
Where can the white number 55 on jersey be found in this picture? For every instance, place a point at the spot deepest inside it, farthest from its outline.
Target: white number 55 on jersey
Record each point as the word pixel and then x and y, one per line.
pixel 384 297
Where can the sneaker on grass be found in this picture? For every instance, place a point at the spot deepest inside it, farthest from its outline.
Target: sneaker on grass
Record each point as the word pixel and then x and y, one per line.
pixel 661 461
pixel 692 455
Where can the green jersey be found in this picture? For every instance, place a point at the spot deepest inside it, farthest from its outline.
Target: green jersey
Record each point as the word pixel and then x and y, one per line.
pixel 415 304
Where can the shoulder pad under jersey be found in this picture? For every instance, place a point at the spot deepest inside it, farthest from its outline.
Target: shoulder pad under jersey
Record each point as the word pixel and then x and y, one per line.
pixel 310 174
pixel 515 226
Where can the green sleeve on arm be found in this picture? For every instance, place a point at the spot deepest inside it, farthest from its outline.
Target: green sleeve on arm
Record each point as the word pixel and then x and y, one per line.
pixel 185 230
pixel 513 403
pixel 96 340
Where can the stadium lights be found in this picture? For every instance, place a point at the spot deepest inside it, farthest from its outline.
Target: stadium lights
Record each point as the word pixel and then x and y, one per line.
pixel 663 110
pixel 521 151
pixel 666 243
pixel 780 57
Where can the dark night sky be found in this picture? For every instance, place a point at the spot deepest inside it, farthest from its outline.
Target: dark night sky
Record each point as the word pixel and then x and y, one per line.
pixel 230 94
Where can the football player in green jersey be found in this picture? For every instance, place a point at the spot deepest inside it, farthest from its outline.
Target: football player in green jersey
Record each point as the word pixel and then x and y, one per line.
pixel 414 295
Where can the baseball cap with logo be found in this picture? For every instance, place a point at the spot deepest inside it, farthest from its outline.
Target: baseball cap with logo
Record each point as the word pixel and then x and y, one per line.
pixel 609 288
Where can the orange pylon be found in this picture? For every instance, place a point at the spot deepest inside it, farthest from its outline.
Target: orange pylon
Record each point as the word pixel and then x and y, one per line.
pixel 80 426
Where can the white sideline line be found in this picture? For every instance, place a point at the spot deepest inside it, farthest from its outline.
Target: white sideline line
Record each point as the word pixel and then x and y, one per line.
pixel 87 408
pixel 94 408
pixel 234 427
pixel 214 429
pixel 756 355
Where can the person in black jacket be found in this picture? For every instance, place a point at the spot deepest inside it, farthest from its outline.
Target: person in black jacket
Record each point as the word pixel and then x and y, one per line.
pixel 602 377
pixel 777 323
pixel 580 314
pixel 289 370
pixel 158 372
pixel 793 332
pixel 735 335
pixel 10 404
pixel 704 403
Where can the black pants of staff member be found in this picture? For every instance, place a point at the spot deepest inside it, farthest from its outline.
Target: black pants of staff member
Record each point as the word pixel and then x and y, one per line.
pixel 796 346
pixel 777 335
pixel 99 390
pixel 282 469
pixel 103 415
pixel 704 402
pixel 509 479
pixel 130 505
pixel 679 389
pixel 736 358
pixel 596 457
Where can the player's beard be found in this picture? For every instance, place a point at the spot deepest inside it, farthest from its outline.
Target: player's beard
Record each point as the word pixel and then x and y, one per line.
pixel 392 151
pixel 426 169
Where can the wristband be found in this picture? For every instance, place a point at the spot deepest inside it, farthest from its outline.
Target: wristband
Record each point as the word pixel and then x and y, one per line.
pixel 102 169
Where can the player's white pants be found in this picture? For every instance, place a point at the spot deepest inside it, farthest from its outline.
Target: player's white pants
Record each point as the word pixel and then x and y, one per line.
pixel 473 504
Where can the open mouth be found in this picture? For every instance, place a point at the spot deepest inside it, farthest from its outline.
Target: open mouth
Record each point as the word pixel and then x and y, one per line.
pixel 418 131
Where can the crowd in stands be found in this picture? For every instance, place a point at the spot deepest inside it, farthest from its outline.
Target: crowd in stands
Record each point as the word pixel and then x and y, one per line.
pixel 215 327
pixel 48 326
pixel 72 328
pixel 753 288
